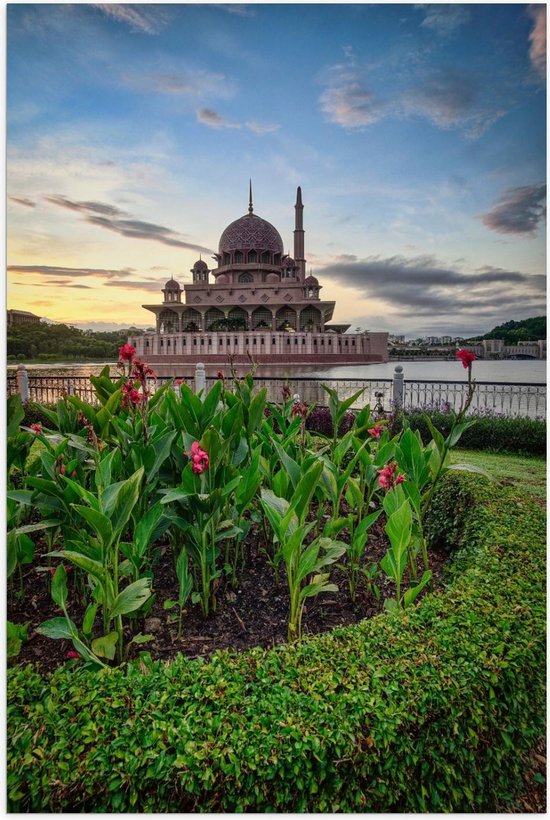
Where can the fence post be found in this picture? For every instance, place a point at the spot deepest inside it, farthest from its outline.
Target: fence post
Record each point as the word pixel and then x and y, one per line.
pixel 23 383
pixel 200 377
pixel 398 384
pixel 70 388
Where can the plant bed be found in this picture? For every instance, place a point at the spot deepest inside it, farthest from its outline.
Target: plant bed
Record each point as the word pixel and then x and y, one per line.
pixel 255 613
pixel 431 709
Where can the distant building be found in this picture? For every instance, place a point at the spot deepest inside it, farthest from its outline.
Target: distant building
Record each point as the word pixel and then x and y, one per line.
pixel 256 303
pixel 496 349
pixel 22 317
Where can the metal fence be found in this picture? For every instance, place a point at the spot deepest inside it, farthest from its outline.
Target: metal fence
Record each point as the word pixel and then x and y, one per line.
pixel 517 399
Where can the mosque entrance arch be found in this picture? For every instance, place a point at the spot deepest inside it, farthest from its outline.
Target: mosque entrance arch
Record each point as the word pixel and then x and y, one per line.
pixel 191 320
pixel 285 318
pixel 168 321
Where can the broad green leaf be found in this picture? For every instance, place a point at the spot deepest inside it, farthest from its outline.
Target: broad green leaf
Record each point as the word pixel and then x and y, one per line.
pixel 471 468
pixel 105 647
pixel 58 628
pixel 98 521
pixel 95 568
pixel 126 500
pixel 42 525
pixel 131 598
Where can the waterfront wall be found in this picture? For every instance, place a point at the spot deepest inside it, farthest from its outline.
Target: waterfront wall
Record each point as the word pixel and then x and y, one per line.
pixel 262 346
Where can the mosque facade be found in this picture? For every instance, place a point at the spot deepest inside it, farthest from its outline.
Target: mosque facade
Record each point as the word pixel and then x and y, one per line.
pixel 256 303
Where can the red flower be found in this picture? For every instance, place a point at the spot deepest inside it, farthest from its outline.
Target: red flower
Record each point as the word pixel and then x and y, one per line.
pixel 72 654
pixel 221 375
pixel 179 381
pixel 62 469
pixel 126 353
pixel 299 408
pixel 466 357
pixel 199 458
pixel 388 479
pixel 142 370
pixel 37 428
pixel 130 396
pixel 376 431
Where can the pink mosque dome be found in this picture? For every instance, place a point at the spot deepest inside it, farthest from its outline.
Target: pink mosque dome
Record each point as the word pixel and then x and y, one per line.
pixel 172 285
pixel 222 279
pixel 311 280
pixel 289 262
pixel 272 277
pixel 250 232
pixel 200 264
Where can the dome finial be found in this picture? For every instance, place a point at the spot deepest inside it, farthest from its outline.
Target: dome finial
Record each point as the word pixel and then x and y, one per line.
pixel 250 206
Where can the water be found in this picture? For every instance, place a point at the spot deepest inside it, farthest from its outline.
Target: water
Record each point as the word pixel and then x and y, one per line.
pixel 526 372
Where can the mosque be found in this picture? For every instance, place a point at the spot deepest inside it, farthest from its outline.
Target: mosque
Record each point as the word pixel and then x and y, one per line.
pixel 257 303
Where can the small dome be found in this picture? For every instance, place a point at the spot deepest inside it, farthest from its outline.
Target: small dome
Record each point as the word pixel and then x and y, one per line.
pixel 250 232
pixel 272 277
pixel 172 285
pixel 311 280
pixel 200 264
pixel 288 262
pixel 222 279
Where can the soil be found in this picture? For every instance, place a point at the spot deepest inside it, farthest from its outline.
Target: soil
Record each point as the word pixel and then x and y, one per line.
pixel 253 613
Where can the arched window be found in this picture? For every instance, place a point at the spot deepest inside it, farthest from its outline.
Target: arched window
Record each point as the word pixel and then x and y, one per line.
pixel 266 257
pixel 252 256
pixel 246 277
pixel 239 256
pixel 226 259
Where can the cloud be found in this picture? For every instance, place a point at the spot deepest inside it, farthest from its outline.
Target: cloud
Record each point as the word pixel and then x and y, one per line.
pixel 261 128
pixel 214 120
pixel 443 19
pixel 241 9
pixel 537 38
pixel 518 211
pixel 149 285
pixel 185 83
pixel 110 218
pixel 53 270
pixel 425 286
pixel 148 19
pixel 452 99
pixel 23 201
pixel 346 100
pixel 211 118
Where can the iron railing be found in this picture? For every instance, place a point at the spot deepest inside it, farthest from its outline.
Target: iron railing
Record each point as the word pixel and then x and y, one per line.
pixel 515 399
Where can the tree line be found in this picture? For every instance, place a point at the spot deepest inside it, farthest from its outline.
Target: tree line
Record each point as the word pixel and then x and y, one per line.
pixel 51 341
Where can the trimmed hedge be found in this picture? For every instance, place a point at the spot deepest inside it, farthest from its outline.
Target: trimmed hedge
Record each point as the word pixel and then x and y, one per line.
pixel 430 711
pixel 500 434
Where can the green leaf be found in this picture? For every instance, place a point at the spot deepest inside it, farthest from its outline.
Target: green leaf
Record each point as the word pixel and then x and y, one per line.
pixel 95 568
pixel 89 618
pixel 15 414
pixel 99 522
pixel 105 647
pixel 471 468
pixel 412 593
pixel 59 586
pixel 131 598
pixel 58 628
pixel 125 501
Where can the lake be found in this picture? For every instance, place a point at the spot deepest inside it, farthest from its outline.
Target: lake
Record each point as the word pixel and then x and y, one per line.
pixel 511 371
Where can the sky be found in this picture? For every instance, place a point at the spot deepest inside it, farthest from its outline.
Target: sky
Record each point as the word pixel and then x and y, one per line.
pixel 416 132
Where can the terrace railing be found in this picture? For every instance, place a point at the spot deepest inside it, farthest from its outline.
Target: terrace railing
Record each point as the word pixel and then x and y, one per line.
pixel 515 399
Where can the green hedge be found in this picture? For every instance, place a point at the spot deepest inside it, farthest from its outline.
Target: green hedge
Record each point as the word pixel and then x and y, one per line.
pixel 499 434
pixel 430 711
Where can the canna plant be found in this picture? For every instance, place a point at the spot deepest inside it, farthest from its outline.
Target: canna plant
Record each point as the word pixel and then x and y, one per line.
pixel 95 548
pixel 185 587
pixel 304 562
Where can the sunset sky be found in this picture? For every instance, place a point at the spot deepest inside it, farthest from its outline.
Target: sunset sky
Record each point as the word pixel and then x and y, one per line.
pixel 417 134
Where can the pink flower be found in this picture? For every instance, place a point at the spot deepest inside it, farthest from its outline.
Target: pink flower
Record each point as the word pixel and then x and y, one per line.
pixel 72 654
pixel 388 479
pixel 126 353
pixel 221 375
pixel 376 431
pixel 37 428
pixel 466 357
pixel 199 458
pixel 179 381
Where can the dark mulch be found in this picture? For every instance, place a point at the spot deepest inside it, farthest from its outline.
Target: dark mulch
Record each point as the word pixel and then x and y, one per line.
pixel 254 613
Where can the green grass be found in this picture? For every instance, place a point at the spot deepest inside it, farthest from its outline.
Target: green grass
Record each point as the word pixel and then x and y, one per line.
pixel 526 473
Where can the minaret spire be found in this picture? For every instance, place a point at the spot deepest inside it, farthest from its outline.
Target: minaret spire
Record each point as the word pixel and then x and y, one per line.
pixel 250 205
pixel 299 235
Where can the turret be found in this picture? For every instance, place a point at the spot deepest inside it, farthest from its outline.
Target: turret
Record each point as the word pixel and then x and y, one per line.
pixel 200 272
pixel 299 236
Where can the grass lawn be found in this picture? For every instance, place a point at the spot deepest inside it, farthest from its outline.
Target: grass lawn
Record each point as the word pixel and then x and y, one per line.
pixel 527 473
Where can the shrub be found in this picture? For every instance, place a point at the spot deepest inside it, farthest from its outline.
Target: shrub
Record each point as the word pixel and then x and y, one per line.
pixel 501 434
pixel 427 711
pixel 320 421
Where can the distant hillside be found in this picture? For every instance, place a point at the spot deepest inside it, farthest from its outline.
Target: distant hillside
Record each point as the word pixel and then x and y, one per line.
pixel 49 342
pixel 523 331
